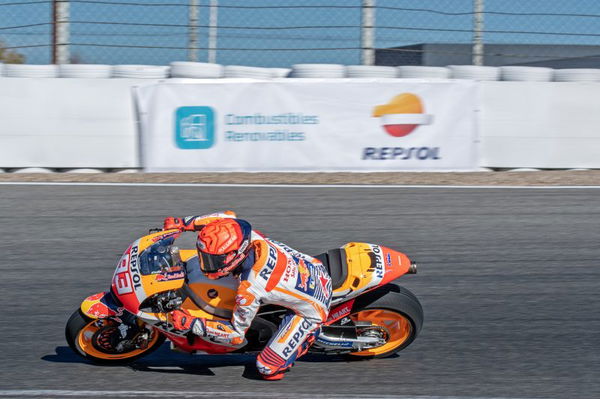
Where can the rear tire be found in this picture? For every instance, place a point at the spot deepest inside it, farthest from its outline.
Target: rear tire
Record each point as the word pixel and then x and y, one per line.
pixel 79 333
pixel 397 310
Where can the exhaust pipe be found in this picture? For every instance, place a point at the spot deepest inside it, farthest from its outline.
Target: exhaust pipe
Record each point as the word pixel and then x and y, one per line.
pixel 412 269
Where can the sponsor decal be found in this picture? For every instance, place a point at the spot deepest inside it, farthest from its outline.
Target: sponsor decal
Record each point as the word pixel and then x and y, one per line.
pixel 194 128
pixel 323 280
pixel 122 283
pixel 267 127
pixel 244 299
pixel 402 153
pixel 303 275
pixel 101 310
pixel 163 236
pixel 342 344
pixel 341 311
pixel 134 269
pixel 290 270
pixel 377 264
pixel 283 333
pixel 297 338
pixel 402 115
pixel 170 276
pixel 266 271
pixel 388 260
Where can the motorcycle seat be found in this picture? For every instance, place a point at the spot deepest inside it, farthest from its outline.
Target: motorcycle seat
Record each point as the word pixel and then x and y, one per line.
pixel 334 261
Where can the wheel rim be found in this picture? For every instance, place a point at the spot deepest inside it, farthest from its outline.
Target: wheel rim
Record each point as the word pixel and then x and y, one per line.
pixel 398 328
pixel 87 335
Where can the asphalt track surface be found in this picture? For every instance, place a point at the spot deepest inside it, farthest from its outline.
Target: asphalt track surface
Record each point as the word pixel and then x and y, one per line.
pixel 509 280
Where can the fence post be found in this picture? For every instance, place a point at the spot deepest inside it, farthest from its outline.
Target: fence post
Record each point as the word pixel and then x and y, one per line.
pixel 193 31
pixel 212 31
pixel 60 32
pixel 478 32
pixel 367 32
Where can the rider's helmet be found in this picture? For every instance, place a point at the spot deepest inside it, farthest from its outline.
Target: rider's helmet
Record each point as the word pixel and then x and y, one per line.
pixel 222 246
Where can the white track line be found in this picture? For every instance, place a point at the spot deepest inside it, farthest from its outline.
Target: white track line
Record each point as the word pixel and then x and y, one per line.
pixel 47 393
pixel 315 186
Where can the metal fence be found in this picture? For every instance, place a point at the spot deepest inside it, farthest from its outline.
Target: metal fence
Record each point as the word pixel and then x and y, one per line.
pixel 285 32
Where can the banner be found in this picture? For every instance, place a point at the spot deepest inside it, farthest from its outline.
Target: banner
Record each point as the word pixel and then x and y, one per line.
pixel 308 125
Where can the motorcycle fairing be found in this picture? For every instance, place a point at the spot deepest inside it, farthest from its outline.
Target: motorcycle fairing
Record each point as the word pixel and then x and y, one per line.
pixel 100 306
pixel 131 285
pixel 340 311
pixel 369 266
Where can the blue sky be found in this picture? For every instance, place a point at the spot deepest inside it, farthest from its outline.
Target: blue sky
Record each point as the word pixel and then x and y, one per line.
pixel 335 28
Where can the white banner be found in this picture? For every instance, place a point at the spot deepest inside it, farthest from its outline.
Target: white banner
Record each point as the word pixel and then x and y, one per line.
pixel 540 125
pixel 67 123
pixel 308 125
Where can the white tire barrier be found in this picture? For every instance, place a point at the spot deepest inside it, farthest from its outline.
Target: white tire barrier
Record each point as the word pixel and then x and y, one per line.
pixel 84 170
pixel 369 71
pixel 423 72
pixel 526 74
pixel 30 71
pixel 474 72
pixel 318 71
pixel 196 70
pixel 141 71
pixel 33 170
pixel 278 73
pixel 85 71
pixel 577 75
pixel 240 71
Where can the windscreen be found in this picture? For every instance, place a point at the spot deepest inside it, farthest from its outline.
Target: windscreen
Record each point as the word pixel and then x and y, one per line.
pixel 161 257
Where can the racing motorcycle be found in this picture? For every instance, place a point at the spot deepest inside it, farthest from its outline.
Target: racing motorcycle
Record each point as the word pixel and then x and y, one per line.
pixel 371 316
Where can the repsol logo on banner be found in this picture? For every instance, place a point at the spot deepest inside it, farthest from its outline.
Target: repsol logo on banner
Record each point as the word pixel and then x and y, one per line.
pixel 401 153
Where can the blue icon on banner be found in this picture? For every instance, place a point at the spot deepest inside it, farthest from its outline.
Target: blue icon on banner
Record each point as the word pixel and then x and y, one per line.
pixel 194 128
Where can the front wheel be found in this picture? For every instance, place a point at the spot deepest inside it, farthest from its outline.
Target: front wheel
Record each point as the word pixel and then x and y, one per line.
pixel 398 317
pixel 99 343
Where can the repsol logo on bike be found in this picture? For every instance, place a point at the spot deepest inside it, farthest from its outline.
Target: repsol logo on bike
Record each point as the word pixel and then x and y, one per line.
pixel 376 261
pixel 134 269
pixel 297 338
pixel 266 271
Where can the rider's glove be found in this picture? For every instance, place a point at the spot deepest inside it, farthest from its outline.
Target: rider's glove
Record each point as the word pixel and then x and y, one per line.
pixel 176 223
pixel 184 321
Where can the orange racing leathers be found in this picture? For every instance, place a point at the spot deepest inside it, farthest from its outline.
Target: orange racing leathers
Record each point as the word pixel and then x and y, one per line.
pixel 274 273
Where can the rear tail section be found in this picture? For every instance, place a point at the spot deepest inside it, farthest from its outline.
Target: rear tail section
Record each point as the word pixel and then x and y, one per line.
pixel 369 266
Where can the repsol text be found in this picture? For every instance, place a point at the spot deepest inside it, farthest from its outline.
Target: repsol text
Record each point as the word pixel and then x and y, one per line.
pixel 402 153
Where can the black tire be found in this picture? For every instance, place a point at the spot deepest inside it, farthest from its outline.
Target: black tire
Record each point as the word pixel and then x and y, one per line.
pixel 395 298
pixel 78 321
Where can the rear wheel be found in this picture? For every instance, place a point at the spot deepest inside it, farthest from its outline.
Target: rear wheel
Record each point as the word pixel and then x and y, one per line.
pixel 397 316
pixel 98 343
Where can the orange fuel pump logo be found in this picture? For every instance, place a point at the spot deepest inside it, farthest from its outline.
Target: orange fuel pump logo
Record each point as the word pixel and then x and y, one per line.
pixel 402 115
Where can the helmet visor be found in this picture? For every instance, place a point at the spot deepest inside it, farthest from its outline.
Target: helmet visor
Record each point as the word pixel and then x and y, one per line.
pixel 212 263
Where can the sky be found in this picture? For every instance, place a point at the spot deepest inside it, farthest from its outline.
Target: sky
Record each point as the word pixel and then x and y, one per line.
pixel 269 33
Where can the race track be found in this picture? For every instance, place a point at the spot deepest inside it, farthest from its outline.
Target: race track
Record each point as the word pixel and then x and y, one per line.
pixel 509 280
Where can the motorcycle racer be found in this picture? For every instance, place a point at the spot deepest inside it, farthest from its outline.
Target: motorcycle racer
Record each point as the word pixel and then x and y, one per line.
pixel 270 273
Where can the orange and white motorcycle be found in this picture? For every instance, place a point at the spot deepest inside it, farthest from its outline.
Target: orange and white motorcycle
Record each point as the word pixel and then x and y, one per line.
pixel 370 316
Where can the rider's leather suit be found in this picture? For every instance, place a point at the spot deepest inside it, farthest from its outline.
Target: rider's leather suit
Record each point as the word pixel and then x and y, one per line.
pixel 273 273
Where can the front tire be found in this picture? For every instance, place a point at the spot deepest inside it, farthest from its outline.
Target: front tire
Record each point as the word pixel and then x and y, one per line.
pixel 82 335
pixel 397 311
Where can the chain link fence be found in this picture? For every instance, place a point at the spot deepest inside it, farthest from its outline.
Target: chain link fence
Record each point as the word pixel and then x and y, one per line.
pixel 276 33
